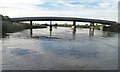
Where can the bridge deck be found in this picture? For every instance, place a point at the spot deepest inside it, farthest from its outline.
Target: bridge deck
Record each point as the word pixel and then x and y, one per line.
pixel 62 19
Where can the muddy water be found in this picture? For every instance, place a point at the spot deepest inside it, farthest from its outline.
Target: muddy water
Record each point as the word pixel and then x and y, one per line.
pixel 64 50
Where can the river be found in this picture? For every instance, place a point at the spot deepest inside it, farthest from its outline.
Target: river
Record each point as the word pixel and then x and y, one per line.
pixel 64 50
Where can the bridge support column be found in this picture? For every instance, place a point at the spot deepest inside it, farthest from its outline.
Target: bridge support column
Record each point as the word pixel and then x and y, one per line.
pixel 50 28
pixel 74 26
pixel 91 29
pixel 31 33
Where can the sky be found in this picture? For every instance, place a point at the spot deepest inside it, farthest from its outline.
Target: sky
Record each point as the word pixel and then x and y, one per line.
pixel 94 9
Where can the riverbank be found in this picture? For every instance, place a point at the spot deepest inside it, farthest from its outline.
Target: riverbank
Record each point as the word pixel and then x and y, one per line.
pixel 113 28
pixel 80 26
pixel 9 27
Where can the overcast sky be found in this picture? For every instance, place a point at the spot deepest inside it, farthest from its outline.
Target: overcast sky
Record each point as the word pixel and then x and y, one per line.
pixel 100 9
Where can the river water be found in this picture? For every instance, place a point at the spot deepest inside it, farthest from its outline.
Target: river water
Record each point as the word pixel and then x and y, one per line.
pixel 64 50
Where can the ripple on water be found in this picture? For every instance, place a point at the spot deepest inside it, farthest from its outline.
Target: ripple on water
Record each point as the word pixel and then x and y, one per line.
pixel 74 53
pixel 44 37
pixel 19 51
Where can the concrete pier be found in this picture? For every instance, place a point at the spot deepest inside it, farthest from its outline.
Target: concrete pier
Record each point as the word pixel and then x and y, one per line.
pixel 50 28
pixel 31 32
pixel 74 25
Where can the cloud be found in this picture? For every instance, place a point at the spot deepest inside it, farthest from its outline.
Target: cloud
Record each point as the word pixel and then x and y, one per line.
pixel 100 9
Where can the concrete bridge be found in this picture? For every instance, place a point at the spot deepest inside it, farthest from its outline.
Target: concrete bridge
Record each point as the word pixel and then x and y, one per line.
pixel 74 19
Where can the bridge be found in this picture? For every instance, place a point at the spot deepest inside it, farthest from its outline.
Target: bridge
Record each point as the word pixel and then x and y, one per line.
pixel 74 19
pixel 62 19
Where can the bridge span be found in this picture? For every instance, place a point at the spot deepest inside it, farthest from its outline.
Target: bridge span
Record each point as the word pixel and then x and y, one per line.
pixel 74 19
pixel 62 19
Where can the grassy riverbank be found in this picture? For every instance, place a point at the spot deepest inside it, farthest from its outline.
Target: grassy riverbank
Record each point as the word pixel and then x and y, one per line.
pixel 79 26
pixel 11 27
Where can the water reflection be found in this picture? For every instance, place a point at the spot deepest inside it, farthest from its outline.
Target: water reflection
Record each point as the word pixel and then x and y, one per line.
pixel 44 37
pixel 107 34
pixel 0 54
pixel 65 49
pixel 55 27
pixel 75 54
pixel 73 34
pixel 50 33
pixel 19 51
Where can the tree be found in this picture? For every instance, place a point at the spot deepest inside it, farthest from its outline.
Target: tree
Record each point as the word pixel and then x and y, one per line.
pixel 5 18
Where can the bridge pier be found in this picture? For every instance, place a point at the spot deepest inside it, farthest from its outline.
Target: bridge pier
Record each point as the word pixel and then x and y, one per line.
pixel 74 26
pixel 31 31
pixel 50 28
pixel 91 29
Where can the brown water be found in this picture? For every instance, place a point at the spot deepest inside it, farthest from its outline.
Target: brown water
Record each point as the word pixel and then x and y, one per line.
pixel 65 50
